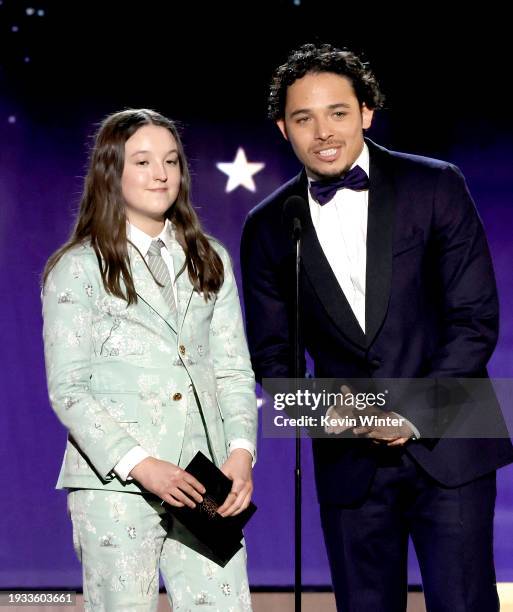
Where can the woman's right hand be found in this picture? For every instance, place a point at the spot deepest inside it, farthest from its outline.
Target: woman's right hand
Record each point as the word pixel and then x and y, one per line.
pixel 172 484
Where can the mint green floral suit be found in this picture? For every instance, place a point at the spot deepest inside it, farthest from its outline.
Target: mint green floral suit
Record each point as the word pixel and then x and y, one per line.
pixel 123 376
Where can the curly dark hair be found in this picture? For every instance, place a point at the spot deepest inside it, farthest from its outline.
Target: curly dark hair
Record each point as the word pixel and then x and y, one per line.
pixel 310 58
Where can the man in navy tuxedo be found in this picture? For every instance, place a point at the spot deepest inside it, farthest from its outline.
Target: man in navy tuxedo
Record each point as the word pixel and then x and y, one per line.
pixel 396 282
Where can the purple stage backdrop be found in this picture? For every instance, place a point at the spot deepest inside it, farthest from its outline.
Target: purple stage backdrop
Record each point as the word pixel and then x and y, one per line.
pixel 41 166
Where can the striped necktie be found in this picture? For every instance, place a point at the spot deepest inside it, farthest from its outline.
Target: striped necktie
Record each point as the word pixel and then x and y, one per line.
pixel 161 272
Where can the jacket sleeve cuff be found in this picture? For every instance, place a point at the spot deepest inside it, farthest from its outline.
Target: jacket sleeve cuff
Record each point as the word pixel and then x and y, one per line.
pixel 246 445
pixel 127 463
pixel 416 433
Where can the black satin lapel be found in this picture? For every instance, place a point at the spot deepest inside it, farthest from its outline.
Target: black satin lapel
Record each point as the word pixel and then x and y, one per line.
pixel 380 227
pixel 324 281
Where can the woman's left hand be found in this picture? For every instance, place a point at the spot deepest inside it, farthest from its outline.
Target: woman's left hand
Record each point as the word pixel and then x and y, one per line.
pixel 238 468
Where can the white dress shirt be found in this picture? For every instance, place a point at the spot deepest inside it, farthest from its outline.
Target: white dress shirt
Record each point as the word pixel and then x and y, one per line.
pixel 143 241
pixel 341 227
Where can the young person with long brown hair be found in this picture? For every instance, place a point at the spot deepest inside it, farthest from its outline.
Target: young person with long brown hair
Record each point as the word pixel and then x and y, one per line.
pixel 146 364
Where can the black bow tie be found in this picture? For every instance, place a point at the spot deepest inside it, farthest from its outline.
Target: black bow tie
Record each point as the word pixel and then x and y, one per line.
pixel 323 191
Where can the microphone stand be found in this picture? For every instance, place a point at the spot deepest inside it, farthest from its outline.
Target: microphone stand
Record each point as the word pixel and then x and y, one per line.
pixel 297 470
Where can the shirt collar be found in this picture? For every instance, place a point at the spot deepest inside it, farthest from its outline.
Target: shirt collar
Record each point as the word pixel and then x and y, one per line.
pixel 362 160
pixel 142 240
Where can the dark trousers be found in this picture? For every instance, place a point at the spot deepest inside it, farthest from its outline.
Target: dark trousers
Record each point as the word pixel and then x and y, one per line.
pixel 451 529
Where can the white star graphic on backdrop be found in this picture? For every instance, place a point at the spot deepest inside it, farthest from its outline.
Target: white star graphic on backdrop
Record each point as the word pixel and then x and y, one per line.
pixel 240 171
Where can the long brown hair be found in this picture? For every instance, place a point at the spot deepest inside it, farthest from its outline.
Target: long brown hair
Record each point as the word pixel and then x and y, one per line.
pixel 102 220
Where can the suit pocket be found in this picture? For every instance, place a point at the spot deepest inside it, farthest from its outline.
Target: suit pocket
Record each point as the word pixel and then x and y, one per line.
pixel 414 241
pixel 122 407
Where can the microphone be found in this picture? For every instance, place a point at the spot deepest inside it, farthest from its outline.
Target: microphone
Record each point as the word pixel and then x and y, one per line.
pixel 295 215
pixel 295 212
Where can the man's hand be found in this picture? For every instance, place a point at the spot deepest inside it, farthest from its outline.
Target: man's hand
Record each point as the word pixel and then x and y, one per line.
pixel 238 468
pixel 391 434
pixel 338 413
pixel 172 484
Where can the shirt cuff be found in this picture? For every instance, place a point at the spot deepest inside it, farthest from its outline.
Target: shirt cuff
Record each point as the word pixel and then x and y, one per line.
pixel 246 445
pixel 127 463
pixel 416 433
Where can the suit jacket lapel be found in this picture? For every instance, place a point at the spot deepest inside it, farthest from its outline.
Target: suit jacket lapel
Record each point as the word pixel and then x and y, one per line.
pixel 147 289
pixel 380 227
pixel 184 288
pixel 323 279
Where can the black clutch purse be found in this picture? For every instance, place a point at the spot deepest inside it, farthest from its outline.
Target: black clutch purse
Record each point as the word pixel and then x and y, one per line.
pixel 215 537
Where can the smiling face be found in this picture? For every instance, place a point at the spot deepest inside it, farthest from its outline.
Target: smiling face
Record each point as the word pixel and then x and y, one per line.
pixel 151 177
pixel 324 123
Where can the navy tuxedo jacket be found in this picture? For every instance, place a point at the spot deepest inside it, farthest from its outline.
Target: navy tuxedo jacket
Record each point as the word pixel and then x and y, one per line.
pixel 431 309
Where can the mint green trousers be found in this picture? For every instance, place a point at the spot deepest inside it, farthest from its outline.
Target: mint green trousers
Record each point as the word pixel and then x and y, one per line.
pixel 124 539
